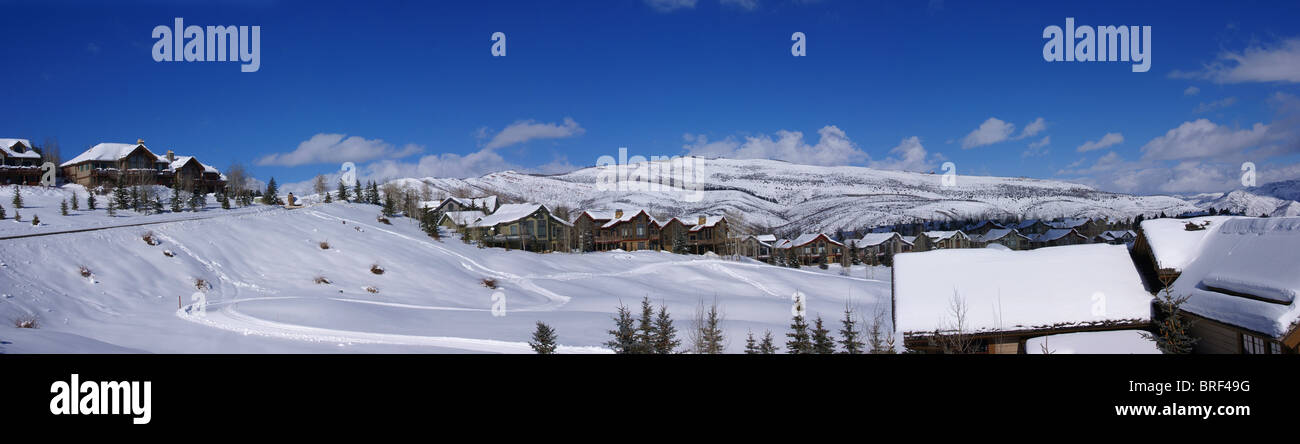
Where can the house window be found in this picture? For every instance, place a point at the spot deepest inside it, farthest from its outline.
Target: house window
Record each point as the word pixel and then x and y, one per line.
pixel 1275 348
pixel 1252 345
pixel 640 230
pixel 514 229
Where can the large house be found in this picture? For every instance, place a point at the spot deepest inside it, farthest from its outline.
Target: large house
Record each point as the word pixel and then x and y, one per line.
pixel 123 164
pixel 586 228
pixel 757 246
pixel 935 240
pixel 529 227
pixel 815 248
pixel 629 231
pixel 1241 287
pixel 20 163
pixel 708 234
pixel 1058 236
pixel 879 248
pixel 1007 237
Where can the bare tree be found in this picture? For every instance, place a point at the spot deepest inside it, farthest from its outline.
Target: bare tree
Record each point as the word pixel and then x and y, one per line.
pixel 237 178
pixel 50 151
pixel 706 331
pixel 955 337
pixel 318 184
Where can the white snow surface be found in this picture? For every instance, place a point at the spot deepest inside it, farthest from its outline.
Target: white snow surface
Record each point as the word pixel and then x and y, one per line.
pixel 1251 256
pixel 1172 244
pixel 1120 342
pixel 259 265
pixel 1016 290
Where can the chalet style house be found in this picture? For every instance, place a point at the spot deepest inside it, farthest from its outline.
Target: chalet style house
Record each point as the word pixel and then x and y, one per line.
pixel 981 227
pixel 20 163
pixel 122 164
pixel 814 249
pixel 629 231
pixel 1007 237
pixel 1058 236
pixel 757 246
pixel 879 248
pixel 529 227
pixel 935 240
pixel 485 205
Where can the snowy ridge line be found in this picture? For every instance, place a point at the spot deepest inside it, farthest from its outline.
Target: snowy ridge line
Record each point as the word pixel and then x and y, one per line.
pixel 230 319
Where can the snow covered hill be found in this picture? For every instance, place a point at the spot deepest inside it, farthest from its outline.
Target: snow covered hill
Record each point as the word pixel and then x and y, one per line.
pixel 791 197
pixel 269 286
pixel 1277 199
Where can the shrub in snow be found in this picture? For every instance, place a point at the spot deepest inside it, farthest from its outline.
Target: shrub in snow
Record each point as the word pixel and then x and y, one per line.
pixel 321 280
pixel 28 321
pixel 372 290
pixel 383 220
pixel 168 253
pixel 201 284
pixel 376 269
pixel 85 272
pixel 324 245
pixel 36 220
pixel 490 283
pixel 149 238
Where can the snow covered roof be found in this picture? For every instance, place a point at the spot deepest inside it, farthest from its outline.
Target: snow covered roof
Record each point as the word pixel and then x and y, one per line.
pixel 909 239
pixel 7 145
pixel 781 243
pixel 1172 245
pixel 488 202
pixel 1127 342
pixel 109 152
pixel 463 217
pixel 1115 234
pixel 995 234
pixel 941 235
pixel 1026 223
pixel 1246 272
pixel 981 224
pixel 1019 290
pixel 1069 223
pixel 874 239
pixel 627 216
pixel 1054 234
pixel 512 212
pixel 181 160
pixel 806 238
pixel 709 222
pixel 769 238
pixel 597 215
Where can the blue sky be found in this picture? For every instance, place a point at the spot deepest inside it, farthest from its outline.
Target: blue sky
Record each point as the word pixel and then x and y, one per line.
pixel 411 88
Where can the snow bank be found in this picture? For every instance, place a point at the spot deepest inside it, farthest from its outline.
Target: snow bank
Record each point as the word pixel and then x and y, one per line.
pixel 1247 273
pixel 1016 290
pixel 1127 342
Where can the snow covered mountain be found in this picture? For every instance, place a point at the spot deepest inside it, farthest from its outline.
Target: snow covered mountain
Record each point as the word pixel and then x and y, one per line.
pixel 1276 199
pixel 788 197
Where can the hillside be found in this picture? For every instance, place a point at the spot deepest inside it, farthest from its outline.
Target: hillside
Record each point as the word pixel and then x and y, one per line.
pixel 789 197
pixel 259 268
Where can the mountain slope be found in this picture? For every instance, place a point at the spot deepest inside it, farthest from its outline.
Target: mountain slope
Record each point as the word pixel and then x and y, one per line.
pixel 790 197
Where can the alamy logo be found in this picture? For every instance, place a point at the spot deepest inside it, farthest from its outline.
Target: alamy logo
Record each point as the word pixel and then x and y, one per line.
pixel 1100 44
pixel 101 398
pixel 214 44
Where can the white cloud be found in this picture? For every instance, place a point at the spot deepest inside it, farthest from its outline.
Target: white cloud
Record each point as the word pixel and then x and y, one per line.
pixel 670 5
pixel 990 132
pixel 1204 107
pixel 833 147
pixel 338 148
pixel 1106 141
pixel 1204 139
pixel 440 165
pixel 909 155
pixel 1277 63
pixel 1033 128
pixel 1191 91
pixel 748 5
pixel 1038 148
pixel 525 130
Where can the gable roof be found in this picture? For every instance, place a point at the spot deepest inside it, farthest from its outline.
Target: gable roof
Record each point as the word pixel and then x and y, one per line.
pixel 512 212
pixel 462 217
pixel 997 233
pixel 7 145
pixel 943 235
pixel 806 238
pixel 110 152
pixel 627 216
pixel 1026 223
pixel 182 160
pixel 1054 234
pixel 1245 274
pixel 981 224
pixel 709 222
pixel 1070 223
pixel 872 239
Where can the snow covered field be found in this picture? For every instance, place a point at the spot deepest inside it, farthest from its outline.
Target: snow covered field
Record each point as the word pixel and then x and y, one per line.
pixel 259 268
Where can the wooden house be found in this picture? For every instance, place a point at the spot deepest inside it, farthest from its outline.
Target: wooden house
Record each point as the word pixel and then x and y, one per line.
pixel 981 227
pixel 935 240
pixel 708 234
pixel 629 231
pixel 20 163
pixel 1007 237
pixel 123 164
pixel 816 248
pixel 1057 237
pixel 757 246
pixel 586 229
pixel 529 227
pixel 1031 227
pixel 879 248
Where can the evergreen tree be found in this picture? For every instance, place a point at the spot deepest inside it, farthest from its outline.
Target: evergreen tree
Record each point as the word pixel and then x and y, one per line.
pixel 36 220
pixel 90 201
pixel 176 199
pixel 543 339
pixel 157 204
pixel 850 334
pixel 328 199
pixel 768 346
pixel 76 204
pixel 343 191
pixel 624 332
pixel 665 340
pixel 225 200
pixel 372 195
pixel 800 342
pixel 751 345
pixel 121 198
pixel 1171 335
pixel 390 206
pixel 645 330
pixel 2 212
pixel 357 193
pixel 63 207
pixel 135 198
pixel 193 203
pixel 707 337
pixel 112 212
pixel 823 343
pixel 271 197
pixel 18 198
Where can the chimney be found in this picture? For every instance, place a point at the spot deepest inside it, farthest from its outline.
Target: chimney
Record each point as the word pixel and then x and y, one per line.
pixel 618 214
pixel 139 141
pixel 703 219
pixel 171 156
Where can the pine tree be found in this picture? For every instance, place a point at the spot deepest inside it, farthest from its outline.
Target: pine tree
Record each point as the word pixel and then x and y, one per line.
pixel 112 212
pixel 193 203
pixel 372 195
pixel 823 343
pixel 343 191
pixel 390 206
pixel 1171 335
pixel 624 332
pixel 90 201
pixel 157 204
pixel 645 330
pixel 63 207
pixel 225 200
pixel 2 212
pixel 849 332
pixel 18 198
pixel 76 204
pixel 751 345
pixel 36 220
pixel 707 337
pixel 270 197
pixel 121 198
pixel 800 342
pixel 768 346
pixel 135 198
pixel 543 339
pixel 176 199
pixel 357 193
pixel 665 340
pixel 328 199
